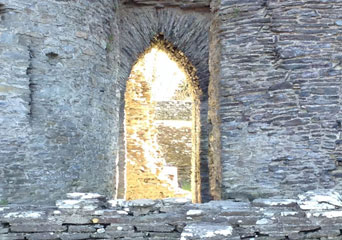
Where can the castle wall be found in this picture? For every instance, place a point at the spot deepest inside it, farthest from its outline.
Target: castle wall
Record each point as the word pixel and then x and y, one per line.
pixel 279 100
pixel 58 96
pixel 274 96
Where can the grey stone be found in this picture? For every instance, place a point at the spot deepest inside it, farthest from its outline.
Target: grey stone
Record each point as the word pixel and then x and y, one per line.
pixel 81 229
pixel 37 227
pixel 154 227
pixel 339 22
pixel 275 202
pixel 274 92
pixel 319 200
pixel 206 231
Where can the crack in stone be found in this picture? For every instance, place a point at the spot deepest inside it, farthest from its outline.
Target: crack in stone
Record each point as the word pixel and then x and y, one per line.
pixel 31 84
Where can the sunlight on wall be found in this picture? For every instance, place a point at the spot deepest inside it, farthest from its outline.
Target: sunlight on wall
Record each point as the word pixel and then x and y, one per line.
pixel 167 75
pixel 154 78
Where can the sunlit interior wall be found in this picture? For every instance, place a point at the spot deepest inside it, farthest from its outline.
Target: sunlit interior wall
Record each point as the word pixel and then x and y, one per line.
pixel 159 128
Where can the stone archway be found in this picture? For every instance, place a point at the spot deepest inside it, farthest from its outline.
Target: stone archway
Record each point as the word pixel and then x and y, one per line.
pixel 189 33
pixel 162 78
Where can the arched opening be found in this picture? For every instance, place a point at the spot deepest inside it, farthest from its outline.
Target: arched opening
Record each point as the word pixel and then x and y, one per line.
pixel 162 126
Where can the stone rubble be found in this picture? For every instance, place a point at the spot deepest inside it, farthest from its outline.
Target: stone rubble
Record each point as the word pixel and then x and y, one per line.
pixel 92 216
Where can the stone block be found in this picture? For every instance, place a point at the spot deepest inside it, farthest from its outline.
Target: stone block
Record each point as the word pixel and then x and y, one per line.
pixel 81 228
pixel 154 227
pixel 37 227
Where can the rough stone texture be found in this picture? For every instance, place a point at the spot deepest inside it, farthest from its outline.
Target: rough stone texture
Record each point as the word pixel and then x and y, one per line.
pixel 57 91
pixel 279 96
pixel 267 219
pixel 174 141
pixel 173 110
pixel 274 100
pixel 173 124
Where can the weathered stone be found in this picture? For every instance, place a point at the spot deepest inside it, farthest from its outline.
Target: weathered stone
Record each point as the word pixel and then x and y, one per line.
pixel 74 236
pixel 274 98
pixel 37 227
pixel 43 236
pixel 319 200
pixel 81 229
pixel 275 202
pixel 154 227
pixel 339 22
pixel 206 231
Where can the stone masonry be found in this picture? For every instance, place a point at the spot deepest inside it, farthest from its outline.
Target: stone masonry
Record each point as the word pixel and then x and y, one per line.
pixel 269 71
pixel 279 100
pixel 314 215
pixel 57 95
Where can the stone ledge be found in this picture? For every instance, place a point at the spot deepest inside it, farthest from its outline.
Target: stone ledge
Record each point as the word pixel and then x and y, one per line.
pixel 304 218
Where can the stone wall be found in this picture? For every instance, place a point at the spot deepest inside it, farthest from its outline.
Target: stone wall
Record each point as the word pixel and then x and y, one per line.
pixel 279 100
pixel 314 215
pixel 274 100
pixel 176 148
pixel 58 97
pixel 174 129
pixel 173 110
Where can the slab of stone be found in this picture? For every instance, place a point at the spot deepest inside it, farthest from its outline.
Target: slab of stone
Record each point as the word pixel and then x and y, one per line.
pixel 76 219
pixel 320 200
pixel 154 227
pixel 227 205
pixel 43 236
pixel 194 212
pixel 274 202
pixel 37 227
pixel 114 220
pixel 27 214
pixel 86 204
pixel 13 236
pixel 75 236
pixel 140 203
pixel 83 196
pixel 206 231
pixel 82 228
pixel 175 201
pixel 119 227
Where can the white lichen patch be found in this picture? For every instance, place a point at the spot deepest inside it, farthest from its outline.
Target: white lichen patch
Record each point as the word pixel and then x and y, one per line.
pixel 28 214
pixel 98 212
pixel 68 204
pixel 225 232
pixel 121 212
pixel 289 213
pixel 194 212
pixel 184 235
pixel 116 202
pixel 320 200
pixel 3 208
pixel 77 195
pixel 263 221
pixel 57 212
pixel 89 207
pixel 209 235
pixel 206 231
pixel 328 214
pixel 269 214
